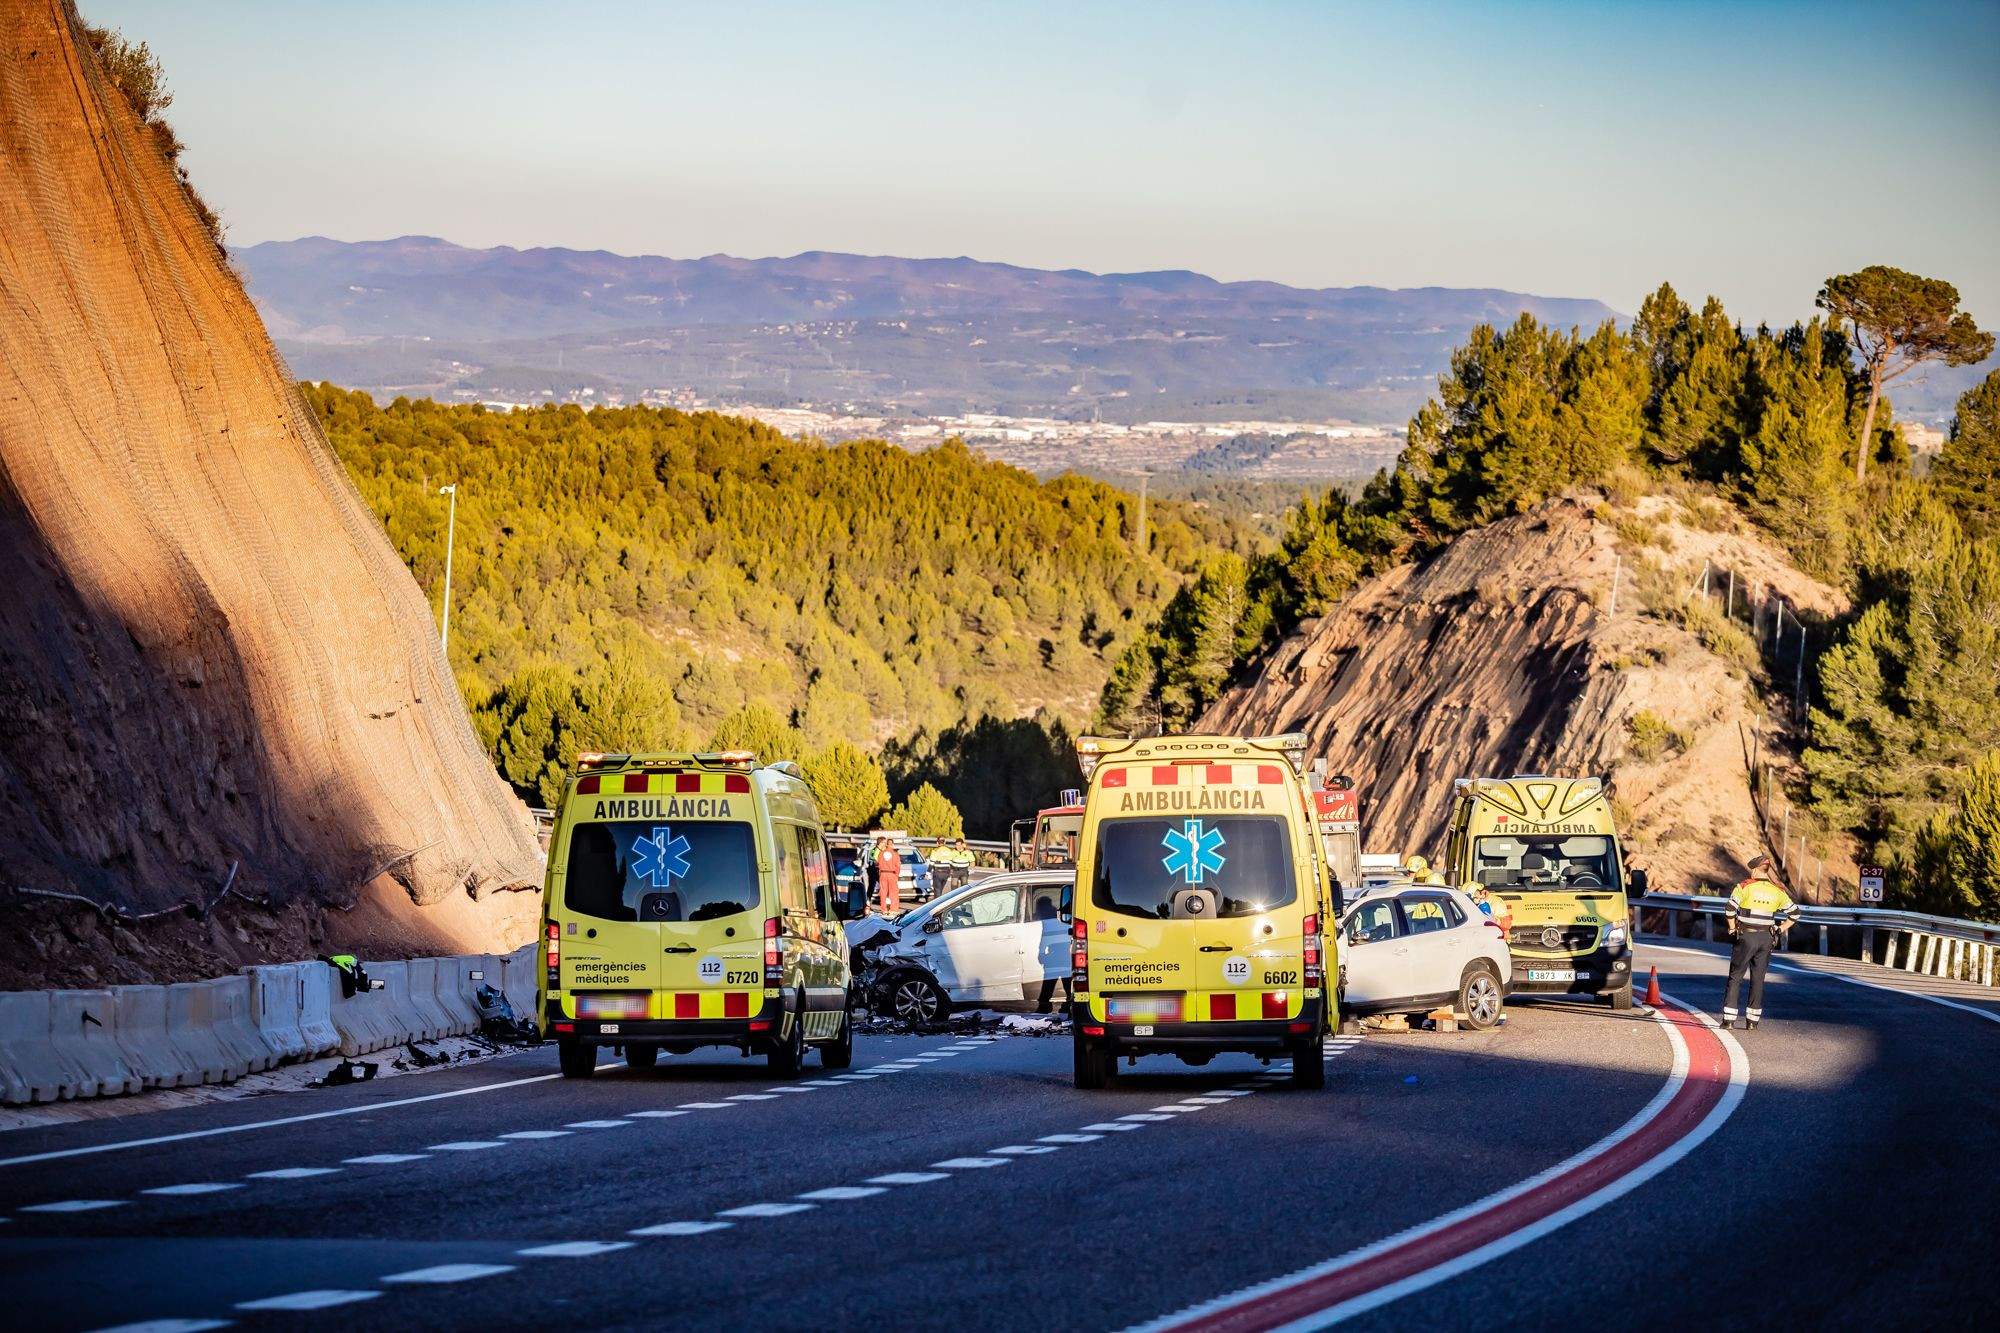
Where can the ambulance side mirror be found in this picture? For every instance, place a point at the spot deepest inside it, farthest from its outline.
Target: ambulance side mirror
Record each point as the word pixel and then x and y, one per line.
pixel 1066 909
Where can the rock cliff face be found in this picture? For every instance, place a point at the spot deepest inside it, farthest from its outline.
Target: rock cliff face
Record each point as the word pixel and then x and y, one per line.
pixel 209 653
pixel 1504 654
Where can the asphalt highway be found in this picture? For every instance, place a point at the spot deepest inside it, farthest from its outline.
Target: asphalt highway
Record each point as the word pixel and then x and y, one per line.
pixel 1835 1168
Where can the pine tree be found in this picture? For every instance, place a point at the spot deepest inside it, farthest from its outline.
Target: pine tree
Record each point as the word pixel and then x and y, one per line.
pixel 1954 865
pixel 1967 472
pixel 1794 461
pixel 758 729
pixel 925 813
pixel 847 785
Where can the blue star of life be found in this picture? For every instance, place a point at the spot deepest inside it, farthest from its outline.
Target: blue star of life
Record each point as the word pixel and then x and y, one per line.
pixel 660 859
pixel 1191 851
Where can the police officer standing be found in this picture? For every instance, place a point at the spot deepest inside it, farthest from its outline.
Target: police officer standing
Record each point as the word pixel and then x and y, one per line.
pixel 1758 910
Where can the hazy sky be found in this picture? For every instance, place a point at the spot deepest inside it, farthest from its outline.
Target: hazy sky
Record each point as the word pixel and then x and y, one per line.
pixel 1567 149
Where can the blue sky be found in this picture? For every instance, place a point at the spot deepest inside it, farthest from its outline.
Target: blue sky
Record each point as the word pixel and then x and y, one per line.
pixel 1566 149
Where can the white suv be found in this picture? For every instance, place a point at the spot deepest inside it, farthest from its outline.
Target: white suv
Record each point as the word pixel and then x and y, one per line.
pixel 1411 948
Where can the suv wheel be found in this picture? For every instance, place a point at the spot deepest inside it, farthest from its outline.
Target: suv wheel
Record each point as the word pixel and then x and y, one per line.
pixel 1479 998
pixel 577 1060
pixel 917 998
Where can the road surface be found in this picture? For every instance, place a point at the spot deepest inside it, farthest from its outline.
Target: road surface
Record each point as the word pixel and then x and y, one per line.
pixel 1835 1168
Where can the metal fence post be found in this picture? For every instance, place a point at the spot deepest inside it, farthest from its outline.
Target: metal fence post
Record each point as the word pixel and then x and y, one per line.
pixel 1868 943
pixel 1986 979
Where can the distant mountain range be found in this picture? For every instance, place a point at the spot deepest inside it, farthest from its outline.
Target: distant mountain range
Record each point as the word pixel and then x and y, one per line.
pixel 901 336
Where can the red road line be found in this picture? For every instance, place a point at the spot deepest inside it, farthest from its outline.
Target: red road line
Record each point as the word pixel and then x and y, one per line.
pixel 1706 1081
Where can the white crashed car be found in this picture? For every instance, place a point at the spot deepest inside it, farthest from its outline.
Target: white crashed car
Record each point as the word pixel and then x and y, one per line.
pixel 997 943
pixel 1411 948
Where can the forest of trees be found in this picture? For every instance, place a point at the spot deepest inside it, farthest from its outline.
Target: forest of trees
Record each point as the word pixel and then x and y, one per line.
pixel 1903 747
pixel 639 578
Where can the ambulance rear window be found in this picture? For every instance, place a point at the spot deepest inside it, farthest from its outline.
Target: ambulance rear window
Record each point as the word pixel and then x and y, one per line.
pixel 643 871
pixel 1244 860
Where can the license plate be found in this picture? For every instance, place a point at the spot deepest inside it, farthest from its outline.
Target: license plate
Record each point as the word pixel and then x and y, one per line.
pixel 1553 974
pixel 1151 1009
pixel 1142 1029
pixel 609 1027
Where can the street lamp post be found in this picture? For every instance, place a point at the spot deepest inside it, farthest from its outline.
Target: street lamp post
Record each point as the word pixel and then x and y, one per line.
pixel 450 534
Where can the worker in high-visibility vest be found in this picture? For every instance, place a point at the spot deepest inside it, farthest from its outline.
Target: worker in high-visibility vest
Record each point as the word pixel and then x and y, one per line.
pixel 1420 872
pixel 1758 911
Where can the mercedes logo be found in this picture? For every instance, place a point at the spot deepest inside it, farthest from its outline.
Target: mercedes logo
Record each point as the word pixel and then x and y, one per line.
pixel 1552 937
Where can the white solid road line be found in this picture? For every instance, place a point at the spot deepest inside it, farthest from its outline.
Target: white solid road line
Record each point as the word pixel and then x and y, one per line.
pixel 268 1124
pixel 1989 1015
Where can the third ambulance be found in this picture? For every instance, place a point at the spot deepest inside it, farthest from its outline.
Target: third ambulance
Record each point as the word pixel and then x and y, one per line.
pixel 1548 847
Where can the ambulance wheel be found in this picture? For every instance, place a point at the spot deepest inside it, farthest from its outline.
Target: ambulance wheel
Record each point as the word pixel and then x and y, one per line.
pixel 789 1055
pixel 1095 1066
pixel 1479 999
pixel 1622 997
pixel 1308 1066
pixel 839 1053
pixel 642 1057
pixel 577 1060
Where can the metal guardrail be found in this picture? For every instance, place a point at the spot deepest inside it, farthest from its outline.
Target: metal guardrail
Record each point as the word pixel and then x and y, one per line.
pixel 1938 946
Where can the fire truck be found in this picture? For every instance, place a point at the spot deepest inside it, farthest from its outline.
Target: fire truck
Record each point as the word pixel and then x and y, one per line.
pixel 1048 841
pixel 1338 808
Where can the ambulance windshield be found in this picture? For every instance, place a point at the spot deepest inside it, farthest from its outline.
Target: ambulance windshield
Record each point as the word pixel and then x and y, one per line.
pixel 1515 861
pixel 1145 865
pixel 646 871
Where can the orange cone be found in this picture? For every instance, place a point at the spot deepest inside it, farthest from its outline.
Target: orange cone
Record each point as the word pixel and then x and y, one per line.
pixel 1653 988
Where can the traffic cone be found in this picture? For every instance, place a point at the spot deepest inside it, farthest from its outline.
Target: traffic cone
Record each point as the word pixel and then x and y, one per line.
pixel 1653 989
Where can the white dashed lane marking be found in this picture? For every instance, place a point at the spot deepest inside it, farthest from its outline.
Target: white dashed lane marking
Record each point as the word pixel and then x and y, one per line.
pixel 753 1097
pixel 442 1273
pixel 1069 1138
pixel 834 1193
pixel 909 1177
pixel 307 1172
pixel 215 1187
pixel 385 1158
pixel 74 1206
pixel 654 1115
pixel 467 1145
pixel 576 1249
pixel 1023 1150
pixel 169 1326
pixel 680 1229
pixel 968 1163
pixel 706 1106
pixel 537 1134
pixel 764 1210
pixel 309 1300
pixel 597 1124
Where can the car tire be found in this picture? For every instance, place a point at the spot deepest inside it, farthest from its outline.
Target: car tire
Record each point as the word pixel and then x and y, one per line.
pixel 788 1057
pixel 1622 997
pixel 1479 998
pixel 642 1057
pixel 1308 1066
pixel 915 997
pixel 1095 1066
pixel 577 1060
pixel 839 1053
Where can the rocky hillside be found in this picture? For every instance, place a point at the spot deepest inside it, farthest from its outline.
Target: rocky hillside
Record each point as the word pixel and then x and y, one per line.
pixel 1505 654
pixel 214 669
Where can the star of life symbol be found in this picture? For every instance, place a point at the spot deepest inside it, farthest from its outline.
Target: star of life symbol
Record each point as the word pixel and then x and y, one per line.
pixel 1191 851
pixel 660 859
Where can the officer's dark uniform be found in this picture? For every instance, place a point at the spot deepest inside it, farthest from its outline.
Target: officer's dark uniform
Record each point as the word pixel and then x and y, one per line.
pixel 1758 909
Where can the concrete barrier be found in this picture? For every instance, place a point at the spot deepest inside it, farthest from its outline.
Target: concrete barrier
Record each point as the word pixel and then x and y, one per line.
pixel 423 999
pixel 521 980
pixel 275 1007
pixel 141 1033
pixel 191 1027
pixel 398 1019
pixel 455 989
pixel 363 1020
pixel 233 1025
pixel 81 1028
pixel 318 985
pixel 31 1068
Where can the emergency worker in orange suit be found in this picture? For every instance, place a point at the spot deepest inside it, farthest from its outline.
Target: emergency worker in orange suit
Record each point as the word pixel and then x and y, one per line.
pixel 888 873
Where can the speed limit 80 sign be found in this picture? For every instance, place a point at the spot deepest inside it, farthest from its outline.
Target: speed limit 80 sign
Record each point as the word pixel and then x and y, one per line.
pixel 1871 884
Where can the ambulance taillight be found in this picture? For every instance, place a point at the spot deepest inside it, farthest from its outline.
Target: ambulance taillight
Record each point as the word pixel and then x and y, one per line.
pixel 774 960
pixel 555 951
pixel 1314 972
pixel 1079 955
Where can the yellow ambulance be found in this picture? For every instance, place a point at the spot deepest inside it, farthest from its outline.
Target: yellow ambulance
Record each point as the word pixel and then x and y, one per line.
pixel 1549 849
pixel 689 903
pixel 1197 924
